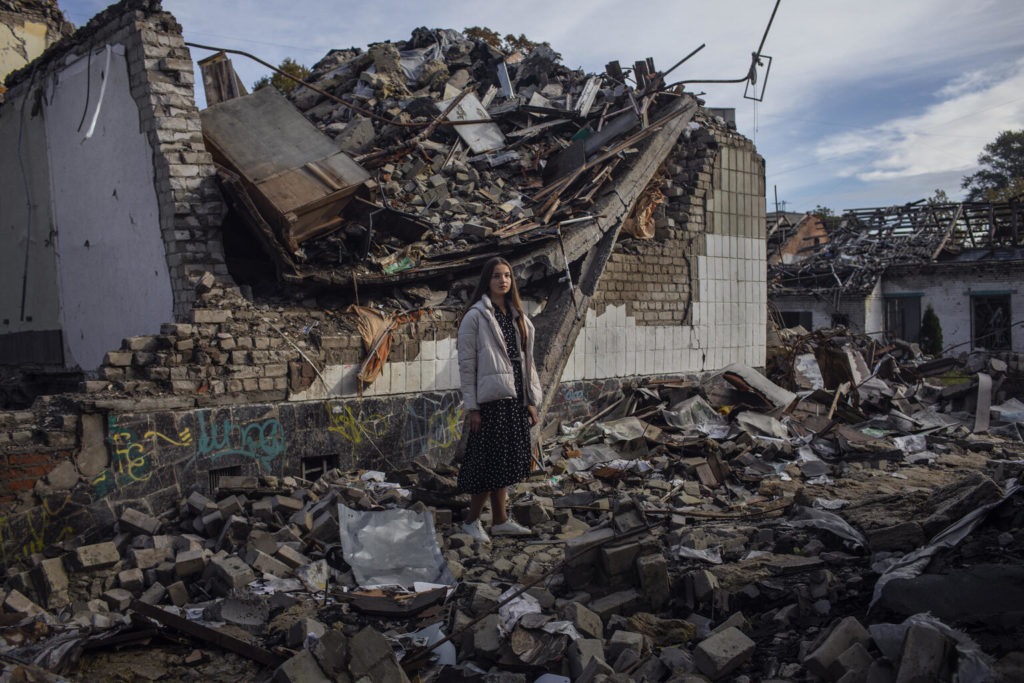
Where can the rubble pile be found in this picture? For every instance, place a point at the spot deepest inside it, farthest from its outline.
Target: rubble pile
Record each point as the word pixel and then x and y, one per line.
pixel 866 528
pixel 469 148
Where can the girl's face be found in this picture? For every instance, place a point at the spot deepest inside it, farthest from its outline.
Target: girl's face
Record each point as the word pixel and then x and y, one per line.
pixel 501 281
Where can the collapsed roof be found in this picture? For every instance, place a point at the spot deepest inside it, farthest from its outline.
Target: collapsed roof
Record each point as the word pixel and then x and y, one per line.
pixel 454 151
pixel 867 242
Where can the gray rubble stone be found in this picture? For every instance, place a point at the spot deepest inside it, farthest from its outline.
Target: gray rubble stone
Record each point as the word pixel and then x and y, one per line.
pixel 117 599
pixel 624 640
pixel 135 522
pixel 302 668
pixel 581 652
pixel 927 655
pixel 822 662
pixel 723 653
pixel 623 602
pixel 654 579
pixel 229 573
pixel 177 593
pixel 97 556
pixel 132 580
pixel 51 581
pixel 586 621
pixel 855 663
pixel 372 656
pixel 17 602
pixel 331 652
pixel 189 563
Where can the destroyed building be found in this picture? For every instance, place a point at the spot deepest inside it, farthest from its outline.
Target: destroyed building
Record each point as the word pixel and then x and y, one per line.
pixel 879 270
pixel 168 319
pixel 231 407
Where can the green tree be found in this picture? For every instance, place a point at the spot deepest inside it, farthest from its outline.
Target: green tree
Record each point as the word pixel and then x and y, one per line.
pixel 509 43
pixel 828 217
pixel 940 197
pixel 283 83
pixel 931 332
pixel 1001 176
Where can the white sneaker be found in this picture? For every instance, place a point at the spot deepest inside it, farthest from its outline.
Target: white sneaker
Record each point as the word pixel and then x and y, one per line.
pixel 476 530
pixel 510 528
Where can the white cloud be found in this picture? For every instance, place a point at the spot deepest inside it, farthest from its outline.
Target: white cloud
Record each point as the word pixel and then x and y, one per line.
pixel 946 136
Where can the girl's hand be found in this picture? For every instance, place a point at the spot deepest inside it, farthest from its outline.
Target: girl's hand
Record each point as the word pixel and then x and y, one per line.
pixel 534 419
pixel 473 420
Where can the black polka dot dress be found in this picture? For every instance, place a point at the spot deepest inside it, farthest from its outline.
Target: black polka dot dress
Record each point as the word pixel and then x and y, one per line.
pixel 498 455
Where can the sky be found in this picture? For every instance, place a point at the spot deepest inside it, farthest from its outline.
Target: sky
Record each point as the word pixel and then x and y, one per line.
pixel 867 103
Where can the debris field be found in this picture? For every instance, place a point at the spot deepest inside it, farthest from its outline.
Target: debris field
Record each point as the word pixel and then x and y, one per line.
pixel 857 525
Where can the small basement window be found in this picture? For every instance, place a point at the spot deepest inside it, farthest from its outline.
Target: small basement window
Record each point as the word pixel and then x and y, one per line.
pixel 315 467
pixel 990 321
pixel 216 474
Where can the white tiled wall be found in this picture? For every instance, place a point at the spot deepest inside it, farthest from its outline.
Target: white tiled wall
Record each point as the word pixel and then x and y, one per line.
pixel 728 323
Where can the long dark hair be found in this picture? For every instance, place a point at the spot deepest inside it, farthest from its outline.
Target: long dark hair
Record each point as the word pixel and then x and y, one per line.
pixel 483 287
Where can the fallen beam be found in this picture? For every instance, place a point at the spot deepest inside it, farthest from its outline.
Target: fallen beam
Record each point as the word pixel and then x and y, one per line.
pixel 210 635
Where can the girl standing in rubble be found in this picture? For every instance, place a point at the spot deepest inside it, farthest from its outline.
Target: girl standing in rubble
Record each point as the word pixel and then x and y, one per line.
pixel 495 355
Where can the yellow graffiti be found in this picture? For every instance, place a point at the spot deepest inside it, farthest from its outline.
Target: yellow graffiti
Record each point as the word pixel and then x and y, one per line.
pixel 445 428
pixel 185 435
pixel 128 465
pixel 36 542
pixel 354 428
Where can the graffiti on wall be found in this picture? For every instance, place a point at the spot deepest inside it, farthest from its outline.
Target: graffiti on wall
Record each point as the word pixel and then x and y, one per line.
pixel 433 424
pixel 353 426
pixel 41 527
pixel 130 461
pixel 261 440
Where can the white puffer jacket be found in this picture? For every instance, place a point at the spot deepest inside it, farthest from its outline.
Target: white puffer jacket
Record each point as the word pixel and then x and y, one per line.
pixel 485 368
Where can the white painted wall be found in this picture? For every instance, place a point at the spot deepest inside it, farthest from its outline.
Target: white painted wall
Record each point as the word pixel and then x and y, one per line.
pixel 28 263
pixel 112 268
pixel 950 295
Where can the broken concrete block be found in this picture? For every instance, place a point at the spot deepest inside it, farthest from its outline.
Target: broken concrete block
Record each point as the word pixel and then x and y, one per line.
pixel 618 560
pixel 265 564
pixel 117 599
pixel 189 563
pixel 331 652
pixel 198 504
pixel 177 593
pixel 301 630
pixel 51 582
pixel 154 594
pixel 302 668
pixel 97 556
pixel 136 522
pixel 373 657
pixel 723 653
pixel 822 662
pixel 624 640
pixel 927 655
pixel 17 602
pixel 581 651
pixel 264 510
pixel 229 573
pixel 705 585
pixel 596 669
pixel 586 621
pixel 623 602
pixel 144 558
pixel 291 557
pixel 654 579
pixel 854 664
pixel 234 482
pixel 132 580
